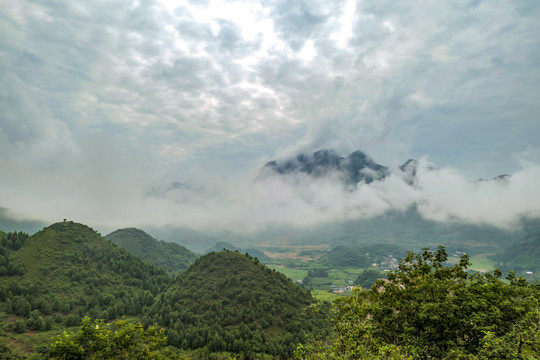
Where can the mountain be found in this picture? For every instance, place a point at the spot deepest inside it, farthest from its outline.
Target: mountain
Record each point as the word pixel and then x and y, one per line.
pixel 227 301
pixel 10 221
pixel 408 229
pixel 182 235
pixel 67 271
pixel 223 245
pixel 70 258
pixel 521 256
pixel 168 256
pixel 355 168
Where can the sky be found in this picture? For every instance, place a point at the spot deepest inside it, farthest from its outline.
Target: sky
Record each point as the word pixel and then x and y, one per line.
pixel 105 104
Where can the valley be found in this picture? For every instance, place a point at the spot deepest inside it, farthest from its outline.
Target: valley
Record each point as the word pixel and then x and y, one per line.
pixel 225 302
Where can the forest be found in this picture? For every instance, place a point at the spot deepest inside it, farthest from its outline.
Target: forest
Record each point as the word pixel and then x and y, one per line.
pixel 66 292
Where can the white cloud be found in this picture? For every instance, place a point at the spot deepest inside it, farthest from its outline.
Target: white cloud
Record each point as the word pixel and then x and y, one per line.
pixel 216 88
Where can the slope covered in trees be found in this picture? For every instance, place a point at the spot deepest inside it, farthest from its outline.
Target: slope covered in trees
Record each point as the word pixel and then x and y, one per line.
pixel 168 256
pixel 522 255
pixel 231 302
pixel 67 271
pixel 223 245
pixel 426 310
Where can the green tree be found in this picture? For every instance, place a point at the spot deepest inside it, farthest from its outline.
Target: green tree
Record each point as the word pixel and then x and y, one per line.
pixel 429 310
pixel 121 340
pixel 367 277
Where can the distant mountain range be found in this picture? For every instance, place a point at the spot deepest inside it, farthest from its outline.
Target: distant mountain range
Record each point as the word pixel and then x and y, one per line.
pixel 353 169
pixel 11 222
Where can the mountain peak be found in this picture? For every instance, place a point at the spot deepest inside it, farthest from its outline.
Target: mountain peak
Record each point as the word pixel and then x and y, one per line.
pixel 168 256
pixel 355 168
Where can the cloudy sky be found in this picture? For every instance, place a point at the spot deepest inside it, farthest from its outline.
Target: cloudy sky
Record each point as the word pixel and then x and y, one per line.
pixel 103 104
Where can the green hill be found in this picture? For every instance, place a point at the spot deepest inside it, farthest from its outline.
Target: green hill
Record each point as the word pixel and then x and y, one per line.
pixel 223 245
pixel 183 235
pixel 227 301
pixel 521 256
pixel 65 272
pixel 343 256
pixel 169 256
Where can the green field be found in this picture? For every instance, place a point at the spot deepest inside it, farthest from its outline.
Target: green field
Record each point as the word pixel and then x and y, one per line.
pixel 322 295
pixel 481 264
pixel 294 274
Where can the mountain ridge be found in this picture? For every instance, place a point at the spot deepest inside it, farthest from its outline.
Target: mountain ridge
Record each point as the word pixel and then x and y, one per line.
pixel 357 167
pixel 169 256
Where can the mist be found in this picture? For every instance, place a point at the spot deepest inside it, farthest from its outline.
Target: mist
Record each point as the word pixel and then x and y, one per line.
pixel 110 192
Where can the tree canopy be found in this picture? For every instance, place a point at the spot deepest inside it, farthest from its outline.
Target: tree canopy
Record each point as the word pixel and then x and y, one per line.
pixel 120 340
pixel 429 310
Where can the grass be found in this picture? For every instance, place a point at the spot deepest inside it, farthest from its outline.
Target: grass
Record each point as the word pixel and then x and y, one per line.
pixel 480 263
pixel 323 295
pixel 294 274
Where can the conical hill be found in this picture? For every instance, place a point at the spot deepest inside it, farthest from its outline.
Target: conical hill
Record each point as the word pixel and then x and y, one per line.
pixel 68 266
pixel 169 256
pixel 231 302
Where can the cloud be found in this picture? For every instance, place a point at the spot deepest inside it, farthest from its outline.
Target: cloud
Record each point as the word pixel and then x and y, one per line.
pixel 106 100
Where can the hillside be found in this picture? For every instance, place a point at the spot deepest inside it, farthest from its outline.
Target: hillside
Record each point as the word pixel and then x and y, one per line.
pixel 360 256
pixel 183 235
pixel 168 256
pixel 521 256
pixel 227 301
pixel 223 245
pixel 67 271
pixel 407 229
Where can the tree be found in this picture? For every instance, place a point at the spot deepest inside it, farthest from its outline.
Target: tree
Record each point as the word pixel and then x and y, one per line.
pixel 429 310
pixel 121 340
pixel 368 277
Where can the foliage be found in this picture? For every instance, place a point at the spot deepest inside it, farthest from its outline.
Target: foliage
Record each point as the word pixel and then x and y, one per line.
pixel 342 256
pixel 69 272
pixel 257 311
pixel 171 257
pixel 368 277
pixel 9 243
pixel 428 310
pixel 121 340
pixel 521 255
pixel 223 245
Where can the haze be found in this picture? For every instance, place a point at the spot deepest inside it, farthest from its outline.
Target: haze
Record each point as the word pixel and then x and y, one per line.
pixel 104 105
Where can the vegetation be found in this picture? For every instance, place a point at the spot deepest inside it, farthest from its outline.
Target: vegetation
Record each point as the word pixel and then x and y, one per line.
pixel 346 256
pixel 230 305
pixel 229 302
pixel 521 256
pixel 224 303
pixel 223 245
pixel 120 340
pixel 428 310
pixel 171 257
pixel 65 272
pixel 368 277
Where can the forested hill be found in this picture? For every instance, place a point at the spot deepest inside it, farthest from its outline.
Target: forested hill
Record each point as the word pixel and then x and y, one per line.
pixel 521 256
pixel 223 245
pixel 227 301
pixel 67 271
pixel 169 256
